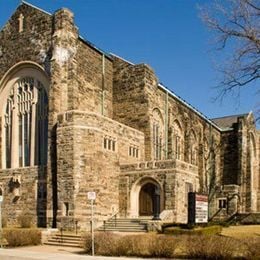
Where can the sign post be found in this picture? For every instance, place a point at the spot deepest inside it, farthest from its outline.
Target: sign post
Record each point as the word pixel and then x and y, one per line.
pixel 92 197
pixel 197 208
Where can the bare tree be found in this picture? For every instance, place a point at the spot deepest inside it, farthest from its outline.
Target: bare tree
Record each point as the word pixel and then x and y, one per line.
pixel 237 27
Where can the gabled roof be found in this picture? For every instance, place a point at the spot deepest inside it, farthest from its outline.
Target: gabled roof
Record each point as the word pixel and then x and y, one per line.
pixel 90 44
pixel 185 103
pixel 35 7
pixel 228 121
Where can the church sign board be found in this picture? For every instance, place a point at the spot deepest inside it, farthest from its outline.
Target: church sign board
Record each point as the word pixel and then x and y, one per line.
pixel 197 208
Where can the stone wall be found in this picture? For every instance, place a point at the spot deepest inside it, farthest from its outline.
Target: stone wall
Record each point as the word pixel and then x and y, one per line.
pixel 84 164
pixel 31 44
pixel 24 191
pixel 101 115
pixel 170 175
pixel 130 97
pixel 95 78
pixel 137 95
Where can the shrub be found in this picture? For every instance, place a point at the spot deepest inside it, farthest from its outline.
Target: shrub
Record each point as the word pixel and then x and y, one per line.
pixel 252 248
pixel 25 219
pixel 135 245
pixel 104 244
pixel 22 237
pixel 162 246
pixel 188 246
pixel 148 245
pixel 211 247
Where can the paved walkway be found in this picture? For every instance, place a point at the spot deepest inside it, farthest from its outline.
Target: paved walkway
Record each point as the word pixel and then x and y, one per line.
pixel 45 252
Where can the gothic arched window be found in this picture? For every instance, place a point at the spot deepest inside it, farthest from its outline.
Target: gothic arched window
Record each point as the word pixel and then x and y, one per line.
pixel 26 124
pixel 193 148
pixel 177 140
pixel 157 133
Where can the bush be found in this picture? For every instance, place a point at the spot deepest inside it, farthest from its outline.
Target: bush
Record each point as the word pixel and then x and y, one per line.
pixel 163 246
pixel 25 219
pixel 135 245
pixel 167 246
pixel 104 244
pixel 22 237
pixel 148 245
pixel 211 247
pixel 252 248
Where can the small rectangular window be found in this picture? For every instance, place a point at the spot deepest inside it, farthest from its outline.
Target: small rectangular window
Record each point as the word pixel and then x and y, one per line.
pixel 109 143
pixel 133 151
pixel 113 145
pixel 222 203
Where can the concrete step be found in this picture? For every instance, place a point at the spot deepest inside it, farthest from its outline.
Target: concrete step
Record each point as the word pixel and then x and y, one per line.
pixel 63 244
pixel 68 240
pixel 124 225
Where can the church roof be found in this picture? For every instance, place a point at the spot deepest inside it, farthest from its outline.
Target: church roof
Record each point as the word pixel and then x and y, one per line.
pixel 227 121
pixel 222 123
pixel 185 103
pixel 33 6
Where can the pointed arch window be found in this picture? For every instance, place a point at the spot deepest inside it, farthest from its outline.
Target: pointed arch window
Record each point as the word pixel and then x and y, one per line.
pixel 177 145
pixel 26 123
pixel 193 149
pixel 157 127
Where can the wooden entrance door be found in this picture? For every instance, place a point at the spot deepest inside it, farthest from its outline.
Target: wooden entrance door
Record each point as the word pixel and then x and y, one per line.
pixel 146 200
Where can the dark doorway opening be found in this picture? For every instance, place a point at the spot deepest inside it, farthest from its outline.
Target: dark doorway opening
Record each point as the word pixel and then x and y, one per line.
pixel 149 205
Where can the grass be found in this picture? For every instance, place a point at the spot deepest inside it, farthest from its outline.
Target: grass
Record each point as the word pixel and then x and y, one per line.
pixel 211 230
pixel 250 231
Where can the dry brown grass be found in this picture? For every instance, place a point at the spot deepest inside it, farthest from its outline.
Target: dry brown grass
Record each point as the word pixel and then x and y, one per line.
pixel 146 245
pixel 250 231
pixel 198 246
pixel 22 236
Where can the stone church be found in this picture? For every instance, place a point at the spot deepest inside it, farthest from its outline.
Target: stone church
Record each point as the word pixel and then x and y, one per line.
pixel 75 119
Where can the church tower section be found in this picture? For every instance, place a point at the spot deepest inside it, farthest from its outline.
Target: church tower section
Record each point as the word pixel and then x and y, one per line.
pixel 25 52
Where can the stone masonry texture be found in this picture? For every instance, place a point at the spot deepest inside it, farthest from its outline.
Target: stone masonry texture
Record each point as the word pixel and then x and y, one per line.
pixel 113 129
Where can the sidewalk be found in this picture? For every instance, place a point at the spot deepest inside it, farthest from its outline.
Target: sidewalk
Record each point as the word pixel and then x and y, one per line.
pixel 44 252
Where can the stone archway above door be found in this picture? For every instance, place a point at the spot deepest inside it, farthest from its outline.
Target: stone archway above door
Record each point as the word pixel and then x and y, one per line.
pixel 143 196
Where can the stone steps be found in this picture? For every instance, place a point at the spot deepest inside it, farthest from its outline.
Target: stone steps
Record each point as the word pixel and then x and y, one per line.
pixel 248 218
pixel 67 240
pixel 124 225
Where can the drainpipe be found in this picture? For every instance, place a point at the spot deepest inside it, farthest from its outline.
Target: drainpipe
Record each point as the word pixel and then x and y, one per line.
pixel 209 174
pixel 166 125
pixel 103 85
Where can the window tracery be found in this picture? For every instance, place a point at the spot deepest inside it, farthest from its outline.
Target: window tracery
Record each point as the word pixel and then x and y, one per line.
pixel 193 148
pixel 177 141
pixel 26 124
pixel 157 134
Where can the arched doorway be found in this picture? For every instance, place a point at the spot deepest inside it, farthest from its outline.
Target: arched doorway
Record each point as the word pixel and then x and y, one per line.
pixel 149 200
pixel 144 193
pixel 146 200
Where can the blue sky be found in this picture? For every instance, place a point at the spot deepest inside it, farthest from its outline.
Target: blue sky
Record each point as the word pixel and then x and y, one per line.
pixel 168 35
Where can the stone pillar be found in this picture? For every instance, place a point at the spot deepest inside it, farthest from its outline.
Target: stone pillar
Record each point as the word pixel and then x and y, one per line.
pixel 64 49
pixel 156 204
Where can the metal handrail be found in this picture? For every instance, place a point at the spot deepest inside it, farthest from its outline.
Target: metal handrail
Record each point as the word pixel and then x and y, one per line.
pixel 114 216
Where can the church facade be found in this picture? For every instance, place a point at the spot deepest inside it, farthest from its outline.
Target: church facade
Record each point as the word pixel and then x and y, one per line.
pixel 74 119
